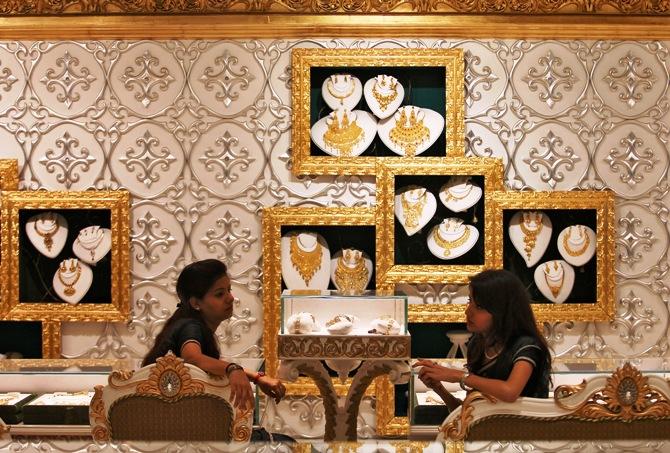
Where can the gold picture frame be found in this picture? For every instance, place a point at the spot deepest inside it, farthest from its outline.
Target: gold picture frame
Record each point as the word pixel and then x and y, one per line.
pixel 16 205
pixel 390 273
pixel 274 218
pixel 9 174
pixel 595 208
pixel 304 60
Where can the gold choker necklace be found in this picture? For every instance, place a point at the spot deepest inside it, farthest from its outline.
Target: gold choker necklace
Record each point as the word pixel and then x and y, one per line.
pixel 449 245
pixel 412 212
pixel 69 287
pixel 451 196
pixel 583 235
pixel 409 137
pixel 305 262
pixel 91 244
pixel 334 92
pixel 343 136
pixel 47 235
pixel 555 290
pixel 385 99
pixel 351 279
pixel 530 235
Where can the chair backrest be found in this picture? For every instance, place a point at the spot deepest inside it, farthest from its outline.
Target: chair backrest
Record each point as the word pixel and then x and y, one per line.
pixel 167 401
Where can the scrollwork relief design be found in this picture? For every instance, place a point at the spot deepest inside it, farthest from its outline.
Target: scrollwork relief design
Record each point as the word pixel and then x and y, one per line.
pixel 226 159
pixel 69 158
pixel 632 160
pixel 68 80
pixel 474 78
pixel 550 79
pixel 551 158
pixel 631 80
pixel 225 80
pixel 149 238
pixel 632 318
pixel 146 77
pixel 149 318
pixel 629 239
pixel 147 158
pixel 228 239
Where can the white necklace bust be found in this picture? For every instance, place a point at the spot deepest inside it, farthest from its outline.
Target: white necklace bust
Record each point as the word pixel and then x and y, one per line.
pixel 530 233
pixel 72 280
pixel 383 94
pixel 342 91
pixel 577 244
pixel 414 206
pixel 47 232
pixel 555 280
pixel 344 133
pixel 92 244
pixel 459 194
pixel 451 238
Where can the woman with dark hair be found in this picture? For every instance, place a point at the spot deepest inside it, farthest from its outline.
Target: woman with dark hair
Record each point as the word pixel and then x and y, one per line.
pixel 205 300
pixel 507 357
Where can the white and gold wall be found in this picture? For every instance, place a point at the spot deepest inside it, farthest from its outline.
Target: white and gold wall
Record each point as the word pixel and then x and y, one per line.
pixel 199 132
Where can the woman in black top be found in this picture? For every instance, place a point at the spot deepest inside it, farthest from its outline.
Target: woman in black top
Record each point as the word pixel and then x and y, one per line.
pixel 205 300
pixel 507 356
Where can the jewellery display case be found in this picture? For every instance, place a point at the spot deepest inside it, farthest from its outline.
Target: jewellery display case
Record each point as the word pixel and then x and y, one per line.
pixel 561 246
pixel 354 105
pixel 66 256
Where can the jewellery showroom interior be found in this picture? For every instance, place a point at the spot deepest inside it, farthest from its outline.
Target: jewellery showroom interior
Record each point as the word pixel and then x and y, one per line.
pixel 347 168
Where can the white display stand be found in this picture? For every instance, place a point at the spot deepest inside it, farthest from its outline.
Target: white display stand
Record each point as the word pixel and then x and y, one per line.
pixel 530 233
pixel 350 271
pixel 451 238
pixel 577 244
pixel 92 244
pixel 47 231
pixel 459 194
pixel 306 264
pixel 459 340
pixel 72 280
pixel 344 133
pixel 414 206
pixel 342 91
pixel 555 280
pixel 411 130
pixel 383 94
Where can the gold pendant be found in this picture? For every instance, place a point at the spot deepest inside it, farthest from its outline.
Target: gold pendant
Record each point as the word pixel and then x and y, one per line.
pixel 351 279
pixel 449 245
pixel 583 235
pixel 412 211
pixel 409 137
pixel 305 262
pixel 530 235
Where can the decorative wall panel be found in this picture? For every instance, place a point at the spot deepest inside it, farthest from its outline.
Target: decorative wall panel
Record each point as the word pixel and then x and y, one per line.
pixel 199 133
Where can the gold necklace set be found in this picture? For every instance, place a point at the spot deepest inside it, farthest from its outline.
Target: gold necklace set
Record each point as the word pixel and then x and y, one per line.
pixel 448 245
pixel 451 196
pixel 75 268
pixel 351 279
pixel 91 244
pixel 583 235
pixel 555 289
pixel 306 262
pixel 412 211
pixel 47 235
pixel 338 94
pixel 343 136
pixel 385 99
pixel 406 136
pixel 530 234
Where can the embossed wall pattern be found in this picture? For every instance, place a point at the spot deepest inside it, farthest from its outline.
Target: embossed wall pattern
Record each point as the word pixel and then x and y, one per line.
pixel 199 133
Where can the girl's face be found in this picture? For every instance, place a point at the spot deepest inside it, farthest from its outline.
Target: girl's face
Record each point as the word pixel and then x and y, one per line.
pixel 479 319
pixel 217 304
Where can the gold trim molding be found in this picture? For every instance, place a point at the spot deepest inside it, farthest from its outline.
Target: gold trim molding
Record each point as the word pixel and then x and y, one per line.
pixel 21 7
pixel 276 26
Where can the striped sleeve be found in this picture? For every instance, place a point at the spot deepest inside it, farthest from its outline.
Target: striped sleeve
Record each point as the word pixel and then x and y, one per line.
pixel 528 350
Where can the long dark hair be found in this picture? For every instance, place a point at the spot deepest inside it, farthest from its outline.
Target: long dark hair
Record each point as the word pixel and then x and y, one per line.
pixel 502 294
pixel 193 281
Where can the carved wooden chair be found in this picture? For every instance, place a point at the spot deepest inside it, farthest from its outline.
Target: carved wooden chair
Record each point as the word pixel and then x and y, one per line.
pixel 624 405
pixel 167 401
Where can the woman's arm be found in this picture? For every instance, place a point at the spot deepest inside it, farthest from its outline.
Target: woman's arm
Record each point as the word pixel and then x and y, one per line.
pixel 505 390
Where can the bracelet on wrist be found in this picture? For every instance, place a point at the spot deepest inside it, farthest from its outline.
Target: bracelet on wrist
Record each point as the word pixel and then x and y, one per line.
pixel 258 376
pixel 461 382
pixel 232 366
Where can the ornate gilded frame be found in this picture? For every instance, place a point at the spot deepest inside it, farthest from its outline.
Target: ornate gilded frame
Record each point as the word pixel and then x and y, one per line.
pixel 389 274
pixel 118 203
pixel 273 220
pixel 303 60
pixel 602 202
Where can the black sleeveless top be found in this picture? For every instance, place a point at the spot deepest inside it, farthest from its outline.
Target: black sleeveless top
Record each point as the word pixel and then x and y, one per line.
pixel 184 331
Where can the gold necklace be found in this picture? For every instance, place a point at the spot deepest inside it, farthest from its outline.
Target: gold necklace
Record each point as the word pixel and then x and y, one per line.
pixel 451 196
pixel 555 290
pixel 47 235
pixel 91 244
pixel 304 261
pixel 583 235
pixel 69 287
pixel 343 136
pixel 449 245
pixel 385 99
pixel 408 138
pixel 351 279
pixel 412 212
pixel 334 91
pixel 530 235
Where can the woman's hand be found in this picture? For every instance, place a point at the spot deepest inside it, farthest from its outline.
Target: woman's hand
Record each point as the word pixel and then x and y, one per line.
pixel 432 374
pixel 272 387
pixel 240 390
